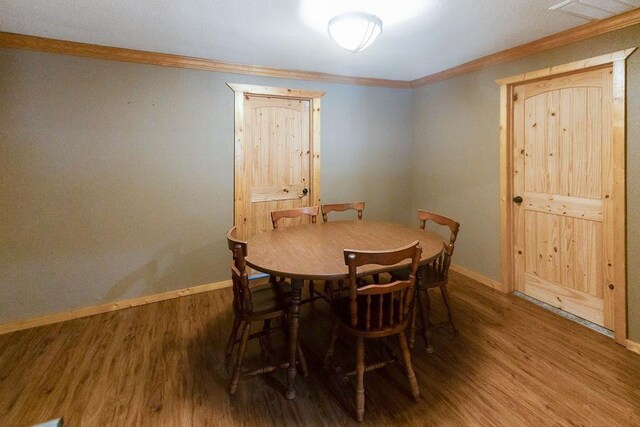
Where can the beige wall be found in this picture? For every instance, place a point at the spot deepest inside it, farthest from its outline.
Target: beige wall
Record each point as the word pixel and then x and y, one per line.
pixel 456 158
pixel 116 179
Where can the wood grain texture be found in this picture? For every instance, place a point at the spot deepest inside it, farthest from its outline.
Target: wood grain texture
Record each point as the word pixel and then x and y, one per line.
pixel 240 174
pixel 609 206
pixel 480 278
pixel 633 346
pixel 306 213
pixel 315 190
pixel 275 91
pixel 105 308
pixel 434 274
pixel 285 252
pixel 163 364
pixel 376 310
pixel 64 47
pixel 618 199
pixel 278 162
pixel 562 128
pixel 572 35
pixel 556 70
pixel 600 129
pixel 250 304
pixel 341 207
pixel 506 191
pixel 575 207
pixel 570 300
pixel 277 153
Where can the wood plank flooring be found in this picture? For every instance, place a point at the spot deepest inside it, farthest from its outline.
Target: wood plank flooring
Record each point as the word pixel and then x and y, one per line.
pixel 162 365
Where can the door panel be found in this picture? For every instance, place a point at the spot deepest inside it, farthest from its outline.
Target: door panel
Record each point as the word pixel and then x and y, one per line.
pixel 561 168
pixel 572 301
pixel 564 142
pixel 565 250
pixel 277 159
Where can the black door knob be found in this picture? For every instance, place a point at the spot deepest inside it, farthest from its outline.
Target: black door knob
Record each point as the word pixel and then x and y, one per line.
pixel 517 199
pixel 305 191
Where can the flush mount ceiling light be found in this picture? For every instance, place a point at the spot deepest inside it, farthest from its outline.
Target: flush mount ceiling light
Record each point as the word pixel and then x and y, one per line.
pixel 355 31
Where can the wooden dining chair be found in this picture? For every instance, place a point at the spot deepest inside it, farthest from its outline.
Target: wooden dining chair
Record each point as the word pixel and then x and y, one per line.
pixel 434 275
pixel 312 212
pixel 376 311
pixel 341 207
pixel 331 288
pixel 258 304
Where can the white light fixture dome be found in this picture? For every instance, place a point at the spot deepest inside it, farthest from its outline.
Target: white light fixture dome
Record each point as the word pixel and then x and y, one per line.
pixel 355 31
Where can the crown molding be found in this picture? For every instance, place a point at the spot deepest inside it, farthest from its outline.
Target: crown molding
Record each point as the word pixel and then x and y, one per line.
pixel 572 35
pixel 568 68
pixel 64 47
pixel 275 91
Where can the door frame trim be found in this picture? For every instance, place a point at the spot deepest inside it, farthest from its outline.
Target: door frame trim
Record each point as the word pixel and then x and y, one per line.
pixel 241 91
pixel 618 61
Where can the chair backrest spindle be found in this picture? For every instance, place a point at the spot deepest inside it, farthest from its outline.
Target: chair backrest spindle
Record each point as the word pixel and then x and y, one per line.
pixel 389 303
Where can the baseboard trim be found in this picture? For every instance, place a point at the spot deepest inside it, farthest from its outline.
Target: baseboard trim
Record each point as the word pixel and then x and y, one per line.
pixel 112 306
pixel 633 346
pixel 493 284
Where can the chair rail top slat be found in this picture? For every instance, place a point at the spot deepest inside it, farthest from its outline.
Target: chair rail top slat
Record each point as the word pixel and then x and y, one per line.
pixel 454 226
pixel 375 256
pixel 311 211
pixel 316 251
pixel 376 289
pixel 233 241
pixel 341 207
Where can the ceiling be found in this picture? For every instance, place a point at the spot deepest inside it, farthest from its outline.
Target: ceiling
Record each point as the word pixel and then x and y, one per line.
pixel 420 37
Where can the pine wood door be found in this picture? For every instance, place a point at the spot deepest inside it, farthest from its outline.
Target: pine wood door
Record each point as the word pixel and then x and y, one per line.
pixel 277 160
pixel 562 170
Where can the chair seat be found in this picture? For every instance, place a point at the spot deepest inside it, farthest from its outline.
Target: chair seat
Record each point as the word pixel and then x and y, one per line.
pixel 342 311
pixel 270 300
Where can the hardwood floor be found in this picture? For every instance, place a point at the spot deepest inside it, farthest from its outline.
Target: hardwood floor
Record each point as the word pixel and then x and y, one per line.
pixel 163 364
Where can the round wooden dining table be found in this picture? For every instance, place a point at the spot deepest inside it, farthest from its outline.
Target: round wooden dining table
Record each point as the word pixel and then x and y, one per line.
pixel 316 252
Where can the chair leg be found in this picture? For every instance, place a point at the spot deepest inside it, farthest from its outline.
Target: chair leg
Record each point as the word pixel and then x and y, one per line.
pixel 411 376
pixel 265 342
pixel 335 331
pixel 328 291
pixel 232 340
pixel 447 303
pixel 233 387
pixel 303 362
pixel 266 326
pixel 337 296
pixel 412 324
pixel 425 310
pixel 388 349
pixel 360 367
